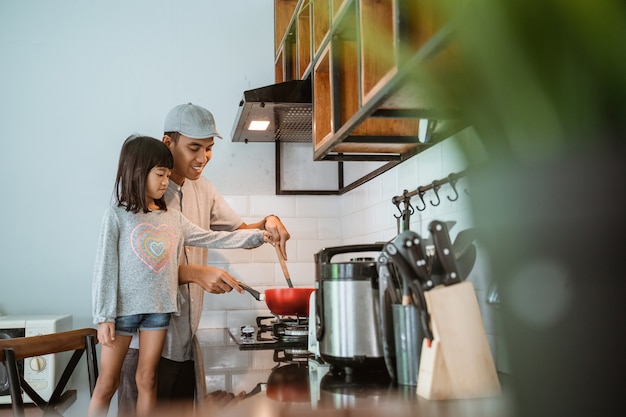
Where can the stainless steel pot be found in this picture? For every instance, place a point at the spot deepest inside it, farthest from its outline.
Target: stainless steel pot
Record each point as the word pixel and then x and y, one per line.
pixel 347 310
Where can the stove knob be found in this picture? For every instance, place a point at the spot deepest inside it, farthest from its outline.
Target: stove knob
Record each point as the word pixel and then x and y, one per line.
pixel 247 331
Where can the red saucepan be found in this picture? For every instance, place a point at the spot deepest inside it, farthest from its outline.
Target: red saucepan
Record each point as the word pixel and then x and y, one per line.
pixel 283 301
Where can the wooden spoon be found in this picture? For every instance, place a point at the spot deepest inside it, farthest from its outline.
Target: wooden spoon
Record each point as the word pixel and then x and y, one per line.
pixel 283 265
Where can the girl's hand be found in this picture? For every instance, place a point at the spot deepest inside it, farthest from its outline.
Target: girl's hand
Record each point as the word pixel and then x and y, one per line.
pixel 106 334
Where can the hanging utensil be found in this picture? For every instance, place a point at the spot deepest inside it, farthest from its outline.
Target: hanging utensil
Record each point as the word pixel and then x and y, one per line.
pixel 388 279
pixel 283 265
pixel 388 295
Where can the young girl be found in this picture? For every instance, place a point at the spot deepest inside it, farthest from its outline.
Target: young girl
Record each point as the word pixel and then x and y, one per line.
pixel 135 279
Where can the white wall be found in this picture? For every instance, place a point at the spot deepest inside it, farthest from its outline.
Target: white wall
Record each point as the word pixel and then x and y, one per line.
pixel 76 79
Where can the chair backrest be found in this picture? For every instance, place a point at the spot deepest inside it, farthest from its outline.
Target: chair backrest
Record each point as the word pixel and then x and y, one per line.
pixel 13 350
pixel 27 347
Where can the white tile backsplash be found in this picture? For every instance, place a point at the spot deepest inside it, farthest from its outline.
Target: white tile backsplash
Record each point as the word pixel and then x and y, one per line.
pixel 239 203
pixel 308 248
pixel 317 206
pixel 254 273
pixel 304 228
pixel 301 274
pixel 329 228
pixel 282 206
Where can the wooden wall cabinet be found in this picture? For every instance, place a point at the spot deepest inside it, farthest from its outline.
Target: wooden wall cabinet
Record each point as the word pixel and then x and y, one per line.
pixel 368 62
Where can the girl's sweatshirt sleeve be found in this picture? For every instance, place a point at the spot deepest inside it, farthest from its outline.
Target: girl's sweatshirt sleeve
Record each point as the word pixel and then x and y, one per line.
pixel 197 236
pixel 106 271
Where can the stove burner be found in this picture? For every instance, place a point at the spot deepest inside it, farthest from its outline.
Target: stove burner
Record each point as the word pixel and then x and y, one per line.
pixel 290 332
pixel 285 328
pixel 292 355
pixel 273 332
pixel 296 331
pixel 265 323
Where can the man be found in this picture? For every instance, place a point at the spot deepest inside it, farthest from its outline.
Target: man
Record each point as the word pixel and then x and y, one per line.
pixel 189 134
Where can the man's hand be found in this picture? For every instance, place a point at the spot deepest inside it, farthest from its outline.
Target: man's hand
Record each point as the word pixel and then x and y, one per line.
pixel 212 279
pixel 276 229
pixel 279 233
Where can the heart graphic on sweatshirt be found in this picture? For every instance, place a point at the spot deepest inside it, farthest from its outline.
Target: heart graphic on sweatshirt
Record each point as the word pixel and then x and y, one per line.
pixel 152 245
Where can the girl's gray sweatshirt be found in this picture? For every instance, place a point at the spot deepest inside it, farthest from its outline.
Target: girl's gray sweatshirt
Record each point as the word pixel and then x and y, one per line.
pixel 136 267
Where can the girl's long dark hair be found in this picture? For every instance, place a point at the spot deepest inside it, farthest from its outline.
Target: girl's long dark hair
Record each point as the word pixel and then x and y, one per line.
pixel 138 156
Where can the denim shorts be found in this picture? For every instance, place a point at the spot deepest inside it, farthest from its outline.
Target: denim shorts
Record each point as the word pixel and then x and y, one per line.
pixel 128 325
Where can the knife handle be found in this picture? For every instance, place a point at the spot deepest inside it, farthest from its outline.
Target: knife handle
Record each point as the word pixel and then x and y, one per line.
pixel 409 244
pixel 443 248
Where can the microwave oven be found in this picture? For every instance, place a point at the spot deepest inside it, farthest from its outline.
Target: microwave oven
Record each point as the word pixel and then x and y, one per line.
pixel 41 372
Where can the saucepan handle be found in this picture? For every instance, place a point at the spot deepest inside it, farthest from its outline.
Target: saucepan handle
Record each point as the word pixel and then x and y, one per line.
pixel 256 294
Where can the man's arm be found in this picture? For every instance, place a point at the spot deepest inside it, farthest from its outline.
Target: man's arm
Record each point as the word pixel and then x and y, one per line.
pixel 212 279
pixel 274 227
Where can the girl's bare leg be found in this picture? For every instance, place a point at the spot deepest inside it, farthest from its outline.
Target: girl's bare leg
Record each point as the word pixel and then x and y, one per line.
pixel 151 345
pixel 111 359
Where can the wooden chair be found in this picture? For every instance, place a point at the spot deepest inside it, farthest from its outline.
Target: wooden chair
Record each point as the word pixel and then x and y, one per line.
pixel 14 350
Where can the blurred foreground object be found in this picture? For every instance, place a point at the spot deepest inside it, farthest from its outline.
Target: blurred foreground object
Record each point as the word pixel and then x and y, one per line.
pixel 544 86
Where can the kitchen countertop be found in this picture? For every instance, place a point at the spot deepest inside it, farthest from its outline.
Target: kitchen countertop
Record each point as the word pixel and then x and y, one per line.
pixel 276 387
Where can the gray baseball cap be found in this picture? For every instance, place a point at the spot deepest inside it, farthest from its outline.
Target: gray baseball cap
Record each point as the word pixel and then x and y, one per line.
pixel 191 120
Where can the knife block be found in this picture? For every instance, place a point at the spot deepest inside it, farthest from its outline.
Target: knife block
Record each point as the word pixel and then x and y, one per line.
pixel 458 364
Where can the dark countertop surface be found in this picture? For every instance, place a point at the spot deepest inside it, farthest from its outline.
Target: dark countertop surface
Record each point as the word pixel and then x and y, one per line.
pixel 280 383
pixel 277 383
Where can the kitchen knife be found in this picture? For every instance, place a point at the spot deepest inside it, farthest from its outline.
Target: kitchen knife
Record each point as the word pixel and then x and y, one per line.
pixel 464 239
pixel 434 265
pixel 406 272
pixel 461 245
pixel 411 287
pixel 465 263
pixel 443 250
pixel 409 244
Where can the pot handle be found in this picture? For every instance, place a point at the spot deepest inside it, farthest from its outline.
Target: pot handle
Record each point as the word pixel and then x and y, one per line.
pixel 326 254
pixel 252 291
pixel 261 386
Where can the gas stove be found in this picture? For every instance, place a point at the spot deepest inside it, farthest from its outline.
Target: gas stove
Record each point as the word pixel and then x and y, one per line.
pixel 271 332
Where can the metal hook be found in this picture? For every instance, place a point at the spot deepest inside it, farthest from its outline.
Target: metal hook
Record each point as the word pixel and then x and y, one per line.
pixel 408 207
pixel 452 180
pixel 436 188
pixel 420 193
pixel 399 210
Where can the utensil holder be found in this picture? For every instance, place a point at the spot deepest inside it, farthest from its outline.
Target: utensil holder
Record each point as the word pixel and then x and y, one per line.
pixel 408 336
pixel 458 364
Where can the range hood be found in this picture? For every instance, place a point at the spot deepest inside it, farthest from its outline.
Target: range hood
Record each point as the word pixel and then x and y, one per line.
pixel 284 108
